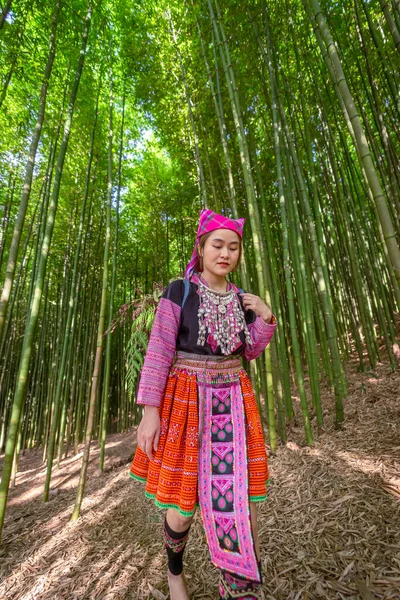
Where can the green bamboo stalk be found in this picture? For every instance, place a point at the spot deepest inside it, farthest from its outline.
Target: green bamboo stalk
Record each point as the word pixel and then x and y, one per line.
pixel 95 385
pixel 27 186
pixel 252 206
pixel 325 299
pixel 32 319
pixel 391 24
pixel 217 100
pixel 280 378
pixel 394 91
pixel 254 215
pixel 103 428
pixel 360 140
pixel 200 170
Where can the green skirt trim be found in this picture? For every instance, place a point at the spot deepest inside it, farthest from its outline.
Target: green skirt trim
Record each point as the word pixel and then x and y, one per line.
pixel 137 477
pixel 184 513
pixel 258 498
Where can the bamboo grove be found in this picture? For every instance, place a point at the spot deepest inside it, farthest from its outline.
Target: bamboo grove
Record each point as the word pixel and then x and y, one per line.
pixel 120 121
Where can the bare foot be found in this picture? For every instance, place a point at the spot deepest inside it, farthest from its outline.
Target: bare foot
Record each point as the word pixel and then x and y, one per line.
pixel 177 587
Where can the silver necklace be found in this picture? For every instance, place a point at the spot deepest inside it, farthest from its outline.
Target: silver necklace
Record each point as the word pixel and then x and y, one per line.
pixel 221 319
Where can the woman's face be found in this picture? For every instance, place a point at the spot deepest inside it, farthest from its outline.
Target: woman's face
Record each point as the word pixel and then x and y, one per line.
pixel 221 251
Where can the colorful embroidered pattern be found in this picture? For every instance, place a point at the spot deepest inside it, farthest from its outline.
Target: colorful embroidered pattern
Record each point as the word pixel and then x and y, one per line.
pixel 223 485
pixel 209 221
pixel 160 353
pixel 165 338
pixel 234 587
pixel 261 333
pixel 232 459
pixel 171 478
pixel 176 545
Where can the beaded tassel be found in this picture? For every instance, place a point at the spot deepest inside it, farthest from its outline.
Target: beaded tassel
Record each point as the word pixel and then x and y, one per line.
pixel 221 317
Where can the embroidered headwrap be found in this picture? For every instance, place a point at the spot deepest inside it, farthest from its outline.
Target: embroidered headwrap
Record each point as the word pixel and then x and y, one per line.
pixel 209 221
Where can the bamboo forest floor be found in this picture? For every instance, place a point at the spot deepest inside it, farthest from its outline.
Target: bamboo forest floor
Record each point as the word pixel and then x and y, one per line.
pixel 329 529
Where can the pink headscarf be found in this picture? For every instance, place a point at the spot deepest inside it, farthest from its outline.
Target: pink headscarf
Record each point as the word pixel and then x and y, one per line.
pixel 209 221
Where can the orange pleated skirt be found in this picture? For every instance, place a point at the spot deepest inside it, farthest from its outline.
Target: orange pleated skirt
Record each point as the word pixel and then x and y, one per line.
pixel 172 477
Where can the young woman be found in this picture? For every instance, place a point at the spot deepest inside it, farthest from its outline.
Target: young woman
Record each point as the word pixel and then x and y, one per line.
pixel 200 441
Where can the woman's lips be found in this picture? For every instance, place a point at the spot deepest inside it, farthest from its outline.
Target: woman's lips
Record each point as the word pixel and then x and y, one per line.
pixel 224 264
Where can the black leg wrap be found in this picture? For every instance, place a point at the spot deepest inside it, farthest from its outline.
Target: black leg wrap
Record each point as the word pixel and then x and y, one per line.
pixel 175 542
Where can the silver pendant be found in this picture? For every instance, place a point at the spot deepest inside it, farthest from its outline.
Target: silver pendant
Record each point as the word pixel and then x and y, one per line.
pixel 221 315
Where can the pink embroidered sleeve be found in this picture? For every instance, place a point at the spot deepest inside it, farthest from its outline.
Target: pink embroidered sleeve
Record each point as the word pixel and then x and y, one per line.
pixel 261 333
pixel 160 353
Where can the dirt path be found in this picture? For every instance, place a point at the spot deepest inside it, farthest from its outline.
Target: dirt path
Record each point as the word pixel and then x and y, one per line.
pixel 329 529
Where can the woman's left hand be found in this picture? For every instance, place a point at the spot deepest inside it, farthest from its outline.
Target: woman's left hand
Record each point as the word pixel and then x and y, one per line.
pixel 253 302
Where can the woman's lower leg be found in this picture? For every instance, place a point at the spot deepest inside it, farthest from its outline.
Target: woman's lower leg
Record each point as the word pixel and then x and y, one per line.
pixel 176 533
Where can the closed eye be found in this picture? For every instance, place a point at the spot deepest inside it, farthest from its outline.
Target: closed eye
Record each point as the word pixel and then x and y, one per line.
pixel 219 247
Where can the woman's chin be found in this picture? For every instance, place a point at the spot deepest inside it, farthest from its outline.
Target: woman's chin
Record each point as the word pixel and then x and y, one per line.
pixel 220 270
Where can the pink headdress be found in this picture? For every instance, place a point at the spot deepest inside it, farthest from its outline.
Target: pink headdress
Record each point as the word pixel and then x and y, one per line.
pixel 209 221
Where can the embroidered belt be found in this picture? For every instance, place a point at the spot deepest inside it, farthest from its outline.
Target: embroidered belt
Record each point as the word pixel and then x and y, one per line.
pixel 196 361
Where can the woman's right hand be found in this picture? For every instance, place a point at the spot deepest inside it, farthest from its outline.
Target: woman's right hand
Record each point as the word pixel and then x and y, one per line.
pixel 149 428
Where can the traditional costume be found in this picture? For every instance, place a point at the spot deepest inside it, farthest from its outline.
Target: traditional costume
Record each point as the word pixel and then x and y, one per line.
pixel 211 452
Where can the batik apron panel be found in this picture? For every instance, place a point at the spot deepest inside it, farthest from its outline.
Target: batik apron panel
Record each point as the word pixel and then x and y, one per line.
pixel 223 471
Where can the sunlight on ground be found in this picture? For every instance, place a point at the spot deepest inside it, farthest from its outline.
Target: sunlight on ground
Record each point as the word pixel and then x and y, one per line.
pixel 62 531
pixel 371 467
pixel 60 480
pixel 330 515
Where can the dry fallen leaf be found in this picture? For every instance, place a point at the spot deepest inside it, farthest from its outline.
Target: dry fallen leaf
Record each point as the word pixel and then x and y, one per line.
pixel 328 528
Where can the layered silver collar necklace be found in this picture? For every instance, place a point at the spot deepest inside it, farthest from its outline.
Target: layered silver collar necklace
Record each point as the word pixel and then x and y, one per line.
pixel 221 318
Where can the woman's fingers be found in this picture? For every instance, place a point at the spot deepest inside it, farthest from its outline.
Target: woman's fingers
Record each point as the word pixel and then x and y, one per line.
pixel 148 450
pixel 145 445
pixel 249 300
pixel 156 438
pixel 253 302
pixel 148 430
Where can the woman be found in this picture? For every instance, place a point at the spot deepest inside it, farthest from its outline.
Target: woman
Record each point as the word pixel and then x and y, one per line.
pixel 200 442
